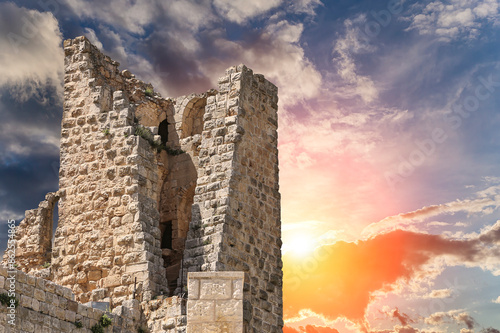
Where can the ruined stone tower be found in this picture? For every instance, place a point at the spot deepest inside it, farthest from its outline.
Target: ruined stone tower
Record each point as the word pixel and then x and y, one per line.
pixel 159 198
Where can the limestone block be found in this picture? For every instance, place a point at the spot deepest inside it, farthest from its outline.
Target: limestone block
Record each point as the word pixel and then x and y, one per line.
pixel 39 295
pixel 230 310
pixel 214 327
pixel 203 311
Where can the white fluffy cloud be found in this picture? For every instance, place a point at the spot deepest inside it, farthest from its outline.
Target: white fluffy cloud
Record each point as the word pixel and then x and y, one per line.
pixel 130 15
pixel 240 10
pixel 457 316
pixel 345 48
pixel 478 205
pixel 458 18
pixel 276 53
pixel 7 214
pixel 31 51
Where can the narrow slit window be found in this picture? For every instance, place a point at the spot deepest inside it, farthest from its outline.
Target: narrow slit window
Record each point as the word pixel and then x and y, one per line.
pixel 166 240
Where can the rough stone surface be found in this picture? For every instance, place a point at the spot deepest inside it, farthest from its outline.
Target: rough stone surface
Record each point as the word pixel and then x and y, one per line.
pixel 44 310
pixel 215 302
pixel 34 237
pixel 152 188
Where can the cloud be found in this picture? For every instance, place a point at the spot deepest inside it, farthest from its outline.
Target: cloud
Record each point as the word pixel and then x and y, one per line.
pixel 405 329
pixel 490 330
pixel 274 51
pixel 439 293
pixel 483 202
pixel 132 15
pixel 346 47
pixel 32 58
pixel 31 132
pixel 6 214
pixel 497 301
pixel 91 35
pixel 305 6
pixel 188 50
pixel 456 19
pixel 310 329
pixel 240 11
pixel 403 318
pixel 457 316
pixel 347 274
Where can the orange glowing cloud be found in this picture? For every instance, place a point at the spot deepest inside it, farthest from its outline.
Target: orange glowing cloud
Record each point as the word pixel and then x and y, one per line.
pixel 338 280
pixel 310 329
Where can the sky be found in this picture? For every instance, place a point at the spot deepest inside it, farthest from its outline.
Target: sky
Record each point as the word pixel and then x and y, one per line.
pixel 388 138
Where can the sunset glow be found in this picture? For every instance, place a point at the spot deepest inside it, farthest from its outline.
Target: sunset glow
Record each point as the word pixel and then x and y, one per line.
pixel 389 141
pixel 300 245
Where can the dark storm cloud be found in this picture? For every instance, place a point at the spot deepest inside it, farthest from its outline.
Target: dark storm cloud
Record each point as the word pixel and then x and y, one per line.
pixel 29 129
pixel 180 72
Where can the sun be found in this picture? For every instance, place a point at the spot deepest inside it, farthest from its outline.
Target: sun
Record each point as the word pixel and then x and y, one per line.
pixel 300 244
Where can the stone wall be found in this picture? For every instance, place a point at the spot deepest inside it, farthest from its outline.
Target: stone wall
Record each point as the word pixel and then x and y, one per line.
pixel 47 307
pixel 236 222
pixel 215 302
pixel 166 315
pixel 149 185
pixel 108 234
pixel 34 236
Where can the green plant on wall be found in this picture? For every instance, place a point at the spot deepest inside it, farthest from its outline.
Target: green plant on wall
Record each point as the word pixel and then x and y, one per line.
pixel 97 328
pixel 149 92
pixel 104 321
pixel 7 300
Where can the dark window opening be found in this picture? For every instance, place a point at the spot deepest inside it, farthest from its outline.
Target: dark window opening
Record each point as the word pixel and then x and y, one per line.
pixel 166 240
pixel 163 131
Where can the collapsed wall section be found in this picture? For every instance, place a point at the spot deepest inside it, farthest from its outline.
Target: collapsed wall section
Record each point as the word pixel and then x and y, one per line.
pixel 107 244
pixel 236 222
pixel 33 237
pixel 44 306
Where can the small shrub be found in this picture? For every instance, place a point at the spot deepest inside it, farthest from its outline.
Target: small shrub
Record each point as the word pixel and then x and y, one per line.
pixel 46 265
pixel 105 321
pixel 206 242
pixel 78 324
pixel 149 92
pixel 6 300
pixel 106 131
pixel 97 328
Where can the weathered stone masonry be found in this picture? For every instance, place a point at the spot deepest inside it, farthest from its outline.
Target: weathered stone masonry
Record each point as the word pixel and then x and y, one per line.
pixel 153 188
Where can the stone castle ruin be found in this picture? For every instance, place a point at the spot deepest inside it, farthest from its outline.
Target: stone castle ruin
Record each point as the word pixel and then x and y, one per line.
pixel 169 209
